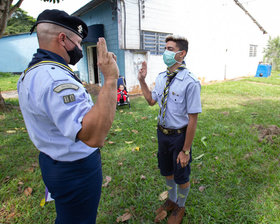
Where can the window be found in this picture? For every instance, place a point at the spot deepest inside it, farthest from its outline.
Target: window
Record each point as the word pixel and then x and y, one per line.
pixel 253 50
pixel 153 41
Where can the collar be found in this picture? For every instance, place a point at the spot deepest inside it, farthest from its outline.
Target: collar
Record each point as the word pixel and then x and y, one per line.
pixel 45 55
pixel 180 75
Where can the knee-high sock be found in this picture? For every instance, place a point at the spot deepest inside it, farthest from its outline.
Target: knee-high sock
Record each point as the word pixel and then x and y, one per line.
pixel 182 196
pixel 172 190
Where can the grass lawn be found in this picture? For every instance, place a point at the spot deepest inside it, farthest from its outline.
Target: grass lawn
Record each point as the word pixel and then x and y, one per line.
pixel 8 81
pixel 235 177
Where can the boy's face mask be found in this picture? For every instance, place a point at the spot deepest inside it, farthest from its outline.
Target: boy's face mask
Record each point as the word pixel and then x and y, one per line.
pixel 169 57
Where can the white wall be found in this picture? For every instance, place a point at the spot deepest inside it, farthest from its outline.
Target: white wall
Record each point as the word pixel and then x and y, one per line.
pixel 219 35
pixel 129 24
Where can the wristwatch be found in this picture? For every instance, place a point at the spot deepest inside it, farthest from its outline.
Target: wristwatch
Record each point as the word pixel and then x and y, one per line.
pixel 187 152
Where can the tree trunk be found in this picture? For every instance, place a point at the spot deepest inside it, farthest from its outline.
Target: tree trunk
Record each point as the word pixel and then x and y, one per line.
pixel 2 103
pixel 6 10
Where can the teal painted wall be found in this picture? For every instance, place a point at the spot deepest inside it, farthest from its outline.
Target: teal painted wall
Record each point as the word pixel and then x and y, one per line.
pixel 16 52
pixel 102 15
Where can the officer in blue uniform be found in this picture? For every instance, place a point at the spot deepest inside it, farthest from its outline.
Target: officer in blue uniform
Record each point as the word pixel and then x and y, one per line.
pixel 177 91
pixel 61 119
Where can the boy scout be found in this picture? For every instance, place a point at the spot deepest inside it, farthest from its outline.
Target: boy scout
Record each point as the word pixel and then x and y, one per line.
pixel 177 92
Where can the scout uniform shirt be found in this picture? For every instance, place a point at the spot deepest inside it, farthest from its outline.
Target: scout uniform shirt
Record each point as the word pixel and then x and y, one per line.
pixel 183 98
pixel 53 103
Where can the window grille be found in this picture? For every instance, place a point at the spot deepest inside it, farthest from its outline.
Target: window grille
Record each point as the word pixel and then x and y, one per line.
pixel 153 42
pixel 253 50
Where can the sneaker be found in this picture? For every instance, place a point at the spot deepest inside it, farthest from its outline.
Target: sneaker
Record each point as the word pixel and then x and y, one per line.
pixel 177 215
pixel 161 212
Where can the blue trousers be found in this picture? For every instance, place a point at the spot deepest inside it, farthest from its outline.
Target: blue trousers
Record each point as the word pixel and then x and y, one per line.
pixel 75 187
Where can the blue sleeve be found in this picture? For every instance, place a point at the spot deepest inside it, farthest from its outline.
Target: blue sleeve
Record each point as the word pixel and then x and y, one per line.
pixel 155 94
pixel 158 90
pixel 193 98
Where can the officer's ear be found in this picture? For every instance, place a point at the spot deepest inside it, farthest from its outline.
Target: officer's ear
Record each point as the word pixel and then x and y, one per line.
pixel 61 38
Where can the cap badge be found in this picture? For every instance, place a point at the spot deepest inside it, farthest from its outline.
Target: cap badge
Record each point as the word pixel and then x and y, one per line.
pixel 80 28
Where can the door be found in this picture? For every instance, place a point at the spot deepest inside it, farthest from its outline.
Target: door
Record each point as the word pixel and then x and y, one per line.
pixel 93 71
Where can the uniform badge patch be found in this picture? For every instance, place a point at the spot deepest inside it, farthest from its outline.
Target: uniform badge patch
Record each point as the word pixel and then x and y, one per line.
pixel 69 98
pixel 62 87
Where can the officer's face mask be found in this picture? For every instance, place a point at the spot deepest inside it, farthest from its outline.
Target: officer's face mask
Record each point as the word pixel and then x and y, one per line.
pixel 169 58
pixel 75 54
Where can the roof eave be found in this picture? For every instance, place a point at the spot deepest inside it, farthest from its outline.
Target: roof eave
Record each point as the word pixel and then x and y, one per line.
pixel 91 5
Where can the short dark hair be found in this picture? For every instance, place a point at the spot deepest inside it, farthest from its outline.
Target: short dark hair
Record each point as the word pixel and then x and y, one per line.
pixel 181 42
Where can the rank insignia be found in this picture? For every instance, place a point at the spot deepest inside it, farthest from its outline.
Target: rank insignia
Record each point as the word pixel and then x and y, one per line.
pixel 69 98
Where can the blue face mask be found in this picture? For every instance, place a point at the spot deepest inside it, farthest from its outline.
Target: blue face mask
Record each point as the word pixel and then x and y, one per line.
pixel 169 57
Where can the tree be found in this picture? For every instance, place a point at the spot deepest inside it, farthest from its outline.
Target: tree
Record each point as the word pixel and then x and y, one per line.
pixel 272 53
pixel 19 22
pixel 7 9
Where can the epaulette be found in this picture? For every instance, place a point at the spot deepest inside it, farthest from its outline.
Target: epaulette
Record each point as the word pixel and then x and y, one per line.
pixel 193 76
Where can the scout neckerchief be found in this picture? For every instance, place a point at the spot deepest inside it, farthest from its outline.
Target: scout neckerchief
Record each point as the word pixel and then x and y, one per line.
pixel 170 76
pixel 62 66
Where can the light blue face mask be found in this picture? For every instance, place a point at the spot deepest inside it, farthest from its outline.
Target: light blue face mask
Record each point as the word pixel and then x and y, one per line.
pixel 169 58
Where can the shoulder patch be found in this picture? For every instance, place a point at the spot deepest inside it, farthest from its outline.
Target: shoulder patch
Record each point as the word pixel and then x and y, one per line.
pixel 69 98
pixel 193 76
pixel 62 87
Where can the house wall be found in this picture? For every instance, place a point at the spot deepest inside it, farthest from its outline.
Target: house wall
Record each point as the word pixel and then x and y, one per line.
pixel 218 31
pixel 157 18
pixel 220 34
pixel 102 15
pixel 17 51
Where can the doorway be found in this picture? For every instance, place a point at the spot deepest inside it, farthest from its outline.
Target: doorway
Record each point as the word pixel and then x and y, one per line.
pixel 93 71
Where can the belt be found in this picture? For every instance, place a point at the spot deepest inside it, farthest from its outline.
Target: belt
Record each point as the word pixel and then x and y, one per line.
pixel 168 131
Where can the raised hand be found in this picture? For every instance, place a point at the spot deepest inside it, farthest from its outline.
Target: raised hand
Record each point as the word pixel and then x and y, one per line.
pixel 143 71
pixel 106 61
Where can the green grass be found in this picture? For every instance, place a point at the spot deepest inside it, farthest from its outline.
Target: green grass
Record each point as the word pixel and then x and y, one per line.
pixel 241 174
pixel 274 79
pixel 8 81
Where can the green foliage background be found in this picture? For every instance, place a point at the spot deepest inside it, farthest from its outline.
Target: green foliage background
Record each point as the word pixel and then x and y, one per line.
pixel 272 53
pixel 20 22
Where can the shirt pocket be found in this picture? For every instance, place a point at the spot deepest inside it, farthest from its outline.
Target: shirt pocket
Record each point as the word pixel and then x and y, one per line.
pixel 176 103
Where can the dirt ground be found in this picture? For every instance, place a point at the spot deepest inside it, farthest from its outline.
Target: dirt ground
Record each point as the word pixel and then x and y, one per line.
pixel 267 133
pixel 95 88
pixel 91 88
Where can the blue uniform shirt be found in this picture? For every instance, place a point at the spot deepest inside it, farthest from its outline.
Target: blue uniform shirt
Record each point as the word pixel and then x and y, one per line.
pixel 53 104
pixel 183 98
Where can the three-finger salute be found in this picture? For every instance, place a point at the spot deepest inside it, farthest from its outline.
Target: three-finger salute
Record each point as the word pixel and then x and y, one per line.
pixel 106 61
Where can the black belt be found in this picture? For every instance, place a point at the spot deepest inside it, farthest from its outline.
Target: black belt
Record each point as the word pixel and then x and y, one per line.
pixel 168 131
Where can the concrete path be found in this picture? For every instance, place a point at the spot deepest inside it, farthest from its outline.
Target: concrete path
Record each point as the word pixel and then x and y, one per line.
pixel 9 94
